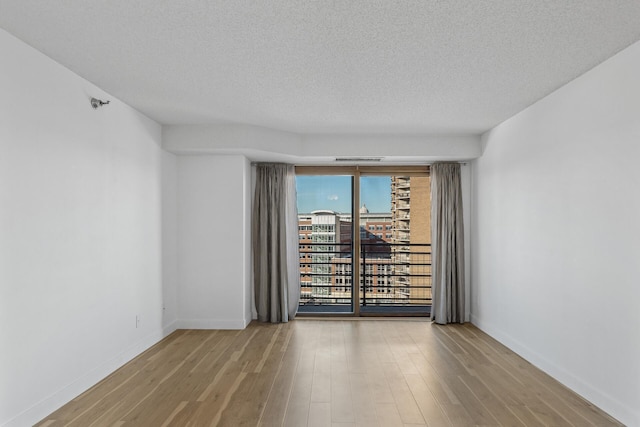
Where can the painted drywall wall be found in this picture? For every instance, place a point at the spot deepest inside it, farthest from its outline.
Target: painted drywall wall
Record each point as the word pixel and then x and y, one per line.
pixel 263 144
pixel 80 227
pixel 213 228
pixel 169 211
pixel 228 139
pixel 556 230
pixel 402 148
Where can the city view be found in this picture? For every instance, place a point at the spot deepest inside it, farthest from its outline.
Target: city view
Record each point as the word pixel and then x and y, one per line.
pixel 394 251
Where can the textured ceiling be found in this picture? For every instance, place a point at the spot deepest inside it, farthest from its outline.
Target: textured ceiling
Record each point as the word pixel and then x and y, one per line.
pixel 341 66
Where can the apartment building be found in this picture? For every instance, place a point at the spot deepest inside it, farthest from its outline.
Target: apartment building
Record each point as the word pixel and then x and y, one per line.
pixel 411 235
pixel 325 244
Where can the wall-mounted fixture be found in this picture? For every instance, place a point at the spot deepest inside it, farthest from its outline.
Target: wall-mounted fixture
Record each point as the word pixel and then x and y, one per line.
pixel 95 103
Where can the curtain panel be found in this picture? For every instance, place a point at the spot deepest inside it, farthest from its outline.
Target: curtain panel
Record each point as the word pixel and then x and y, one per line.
pixel 447 244
pixel 276 268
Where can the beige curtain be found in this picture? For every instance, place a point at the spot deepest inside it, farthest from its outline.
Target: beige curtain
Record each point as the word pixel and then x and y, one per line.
pixel 275 243
pixel 447 244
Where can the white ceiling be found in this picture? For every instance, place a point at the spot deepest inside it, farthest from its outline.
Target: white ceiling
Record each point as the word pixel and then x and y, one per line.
pixel 328 66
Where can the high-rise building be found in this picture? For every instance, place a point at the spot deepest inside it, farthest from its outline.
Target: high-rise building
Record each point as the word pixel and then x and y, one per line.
pixel 411 235
pixel 325 241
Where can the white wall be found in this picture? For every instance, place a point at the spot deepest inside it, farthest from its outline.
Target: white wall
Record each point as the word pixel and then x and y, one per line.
pixel 80 234
pixel 263 144
pixel 465 183
pixel 169 211
pixel 556 235
pixel 398 148
pixel 213 241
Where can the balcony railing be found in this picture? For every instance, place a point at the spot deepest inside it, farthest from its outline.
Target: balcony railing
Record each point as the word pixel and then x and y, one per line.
pixel 392 275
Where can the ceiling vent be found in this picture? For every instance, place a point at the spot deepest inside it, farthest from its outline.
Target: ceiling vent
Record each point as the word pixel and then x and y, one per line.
pixel 358 159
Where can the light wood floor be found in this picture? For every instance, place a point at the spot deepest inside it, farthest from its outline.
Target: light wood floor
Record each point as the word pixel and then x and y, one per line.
pixel 329 373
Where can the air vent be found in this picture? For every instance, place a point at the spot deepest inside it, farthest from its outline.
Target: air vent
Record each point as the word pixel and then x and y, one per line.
pixel 358 159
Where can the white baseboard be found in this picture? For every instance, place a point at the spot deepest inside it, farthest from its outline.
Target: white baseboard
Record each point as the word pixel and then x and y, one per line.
pixel 613 407
pixel 50 404
pixel 212 323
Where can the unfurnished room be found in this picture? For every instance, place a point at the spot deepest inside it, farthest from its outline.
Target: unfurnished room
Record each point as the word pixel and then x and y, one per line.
pixel 339 213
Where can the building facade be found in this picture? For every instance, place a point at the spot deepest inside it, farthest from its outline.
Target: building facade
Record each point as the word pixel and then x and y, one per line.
pixel 411 237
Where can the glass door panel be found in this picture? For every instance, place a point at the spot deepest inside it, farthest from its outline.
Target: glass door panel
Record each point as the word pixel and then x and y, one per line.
pixel 395 249
pixel 325 242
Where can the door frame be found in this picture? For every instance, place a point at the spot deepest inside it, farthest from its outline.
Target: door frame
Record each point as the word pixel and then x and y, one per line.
pixel 356 171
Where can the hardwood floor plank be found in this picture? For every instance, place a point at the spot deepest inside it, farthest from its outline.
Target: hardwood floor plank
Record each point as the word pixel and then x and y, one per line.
pixel 547 415
pixel 341 402
pixel 427 403
pixel 364 406
pixel 472 405
pixel 321 386
pixel 176 411
pixel 280 391
pixel 494 405
pixel 319 414
pixel 404 401
pixel 388 415
pixel 299 404
pixel 510 391
pixel 435 382
pixel 525 415
pixel 457 415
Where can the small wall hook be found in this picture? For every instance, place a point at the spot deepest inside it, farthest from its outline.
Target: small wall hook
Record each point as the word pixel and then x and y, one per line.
pixel 95 103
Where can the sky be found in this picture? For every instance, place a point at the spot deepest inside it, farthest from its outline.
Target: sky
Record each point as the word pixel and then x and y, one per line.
pixel 333 192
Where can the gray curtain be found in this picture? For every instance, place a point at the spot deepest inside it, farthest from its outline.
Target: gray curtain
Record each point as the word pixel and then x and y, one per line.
pixel 276 269
pixel 447 244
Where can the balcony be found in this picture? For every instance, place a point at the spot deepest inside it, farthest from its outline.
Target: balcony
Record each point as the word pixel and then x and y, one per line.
pixel 396 278
pixel 401 183
pixel 402 236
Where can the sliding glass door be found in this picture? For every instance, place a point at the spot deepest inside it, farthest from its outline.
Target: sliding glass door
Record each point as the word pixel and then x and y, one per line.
pixel 325 239
pixel 390 209
pixel 395 249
